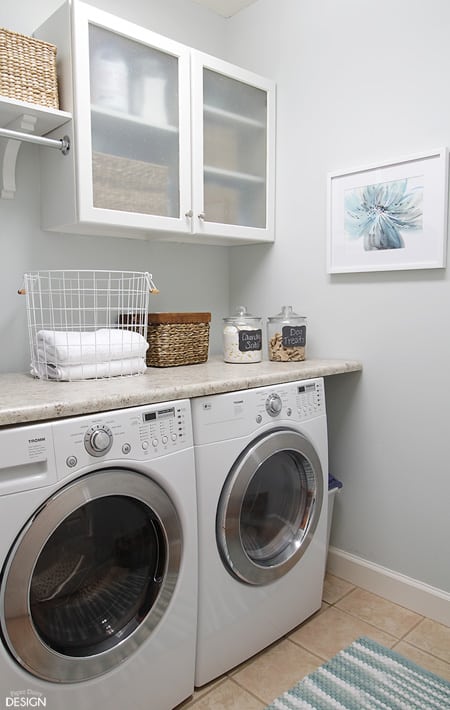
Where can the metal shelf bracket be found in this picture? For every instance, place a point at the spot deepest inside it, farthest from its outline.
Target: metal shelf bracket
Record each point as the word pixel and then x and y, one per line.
pixel 20 130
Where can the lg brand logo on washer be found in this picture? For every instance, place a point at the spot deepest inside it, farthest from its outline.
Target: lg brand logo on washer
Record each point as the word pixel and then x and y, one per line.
pixel 25 699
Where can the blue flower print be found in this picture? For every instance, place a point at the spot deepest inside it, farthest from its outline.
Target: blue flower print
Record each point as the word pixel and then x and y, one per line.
pixel 380 213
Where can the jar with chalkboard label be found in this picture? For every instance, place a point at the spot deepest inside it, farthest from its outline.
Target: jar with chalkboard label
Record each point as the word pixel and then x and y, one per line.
pixel 286 336
pixel 242 337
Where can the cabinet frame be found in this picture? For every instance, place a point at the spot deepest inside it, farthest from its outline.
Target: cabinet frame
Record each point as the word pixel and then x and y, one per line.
pixel 235 233
pixel 67 189
pixel 83 17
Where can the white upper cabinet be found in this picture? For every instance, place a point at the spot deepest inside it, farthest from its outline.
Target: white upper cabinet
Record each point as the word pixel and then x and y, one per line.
pixel 233 147
pixel 167 142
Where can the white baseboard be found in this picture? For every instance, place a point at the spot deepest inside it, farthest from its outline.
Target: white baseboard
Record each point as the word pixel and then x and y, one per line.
pixel 405 591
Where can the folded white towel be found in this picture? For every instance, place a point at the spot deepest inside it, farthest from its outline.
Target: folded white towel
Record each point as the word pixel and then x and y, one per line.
pixel 76 348
pixel 111 368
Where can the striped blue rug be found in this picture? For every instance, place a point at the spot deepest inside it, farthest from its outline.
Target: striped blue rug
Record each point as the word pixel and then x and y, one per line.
pixel 367 676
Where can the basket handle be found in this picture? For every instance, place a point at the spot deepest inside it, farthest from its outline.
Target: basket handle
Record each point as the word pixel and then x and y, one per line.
pixel 151 286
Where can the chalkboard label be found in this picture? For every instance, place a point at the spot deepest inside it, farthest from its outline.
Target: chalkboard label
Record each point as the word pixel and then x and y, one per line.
pixel 294 336
pixel 250 340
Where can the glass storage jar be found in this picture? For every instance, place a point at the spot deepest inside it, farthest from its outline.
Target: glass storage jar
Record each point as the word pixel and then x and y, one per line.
pixel 242 337
pixel 286 336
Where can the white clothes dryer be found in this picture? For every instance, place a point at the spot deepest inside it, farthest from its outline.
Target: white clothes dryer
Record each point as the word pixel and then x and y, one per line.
pixel 262 493
pixel 98 558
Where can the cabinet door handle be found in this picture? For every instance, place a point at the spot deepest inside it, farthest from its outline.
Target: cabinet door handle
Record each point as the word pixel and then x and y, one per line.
pixel 201 215
pixel 189 213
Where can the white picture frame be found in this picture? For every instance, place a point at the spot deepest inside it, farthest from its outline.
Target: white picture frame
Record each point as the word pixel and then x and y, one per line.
pixel 389 216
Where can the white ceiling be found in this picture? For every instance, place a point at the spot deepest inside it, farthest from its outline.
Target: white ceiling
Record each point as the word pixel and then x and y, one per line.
pixel 226 8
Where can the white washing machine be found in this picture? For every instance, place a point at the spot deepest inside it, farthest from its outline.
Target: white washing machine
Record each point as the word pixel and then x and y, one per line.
pixel 99 561
pixel 262 493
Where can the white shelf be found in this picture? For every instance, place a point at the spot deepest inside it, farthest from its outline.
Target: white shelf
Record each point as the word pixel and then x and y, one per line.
pixel 22 117
pixel 232 175
pixel 47 119
pixel 131 118
pixel 232 117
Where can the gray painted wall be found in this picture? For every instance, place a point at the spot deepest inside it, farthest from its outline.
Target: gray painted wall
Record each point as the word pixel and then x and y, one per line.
pixel 360 83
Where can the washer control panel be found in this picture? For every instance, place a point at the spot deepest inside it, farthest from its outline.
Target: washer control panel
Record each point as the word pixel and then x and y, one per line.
pixel 139 433
pixel 98 440
pixel 274 404
pixel 161 427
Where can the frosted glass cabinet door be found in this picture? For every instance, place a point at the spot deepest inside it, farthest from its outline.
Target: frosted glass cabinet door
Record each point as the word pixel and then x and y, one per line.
pixel 234 151
pixel 134 119
pixel 133 112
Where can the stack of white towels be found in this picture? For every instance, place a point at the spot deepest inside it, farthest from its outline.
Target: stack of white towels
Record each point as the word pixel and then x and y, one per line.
pixel 74 355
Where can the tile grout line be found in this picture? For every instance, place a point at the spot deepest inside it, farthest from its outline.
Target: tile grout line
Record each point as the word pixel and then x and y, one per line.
pixel 322 659
pixel 413 627
pixel 250 692
pixel 194 701
pixel 370 623
pixel 425 650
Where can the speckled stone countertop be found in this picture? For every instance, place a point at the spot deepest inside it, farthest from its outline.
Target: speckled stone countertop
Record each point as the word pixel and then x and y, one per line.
pixel 25 399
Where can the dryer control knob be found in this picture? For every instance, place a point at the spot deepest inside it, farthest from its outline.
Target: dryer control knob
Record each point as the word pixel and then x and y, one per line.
pixel 274 405
pixel 98 440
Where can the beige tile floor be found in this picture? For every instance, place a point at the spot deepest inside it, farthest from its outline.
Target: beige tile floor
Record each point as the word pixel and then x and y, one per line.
pixel 347 612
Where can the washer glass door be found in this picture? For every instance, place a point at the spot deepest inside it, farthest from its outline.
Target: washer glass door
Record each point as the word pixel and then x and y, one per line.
pixel 90 575
pixel 270 506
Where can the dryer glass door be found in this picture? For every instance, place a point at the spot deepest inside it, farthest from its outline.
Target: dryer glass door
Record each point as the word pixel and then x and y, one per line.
pixel 91 575
pixel 270 506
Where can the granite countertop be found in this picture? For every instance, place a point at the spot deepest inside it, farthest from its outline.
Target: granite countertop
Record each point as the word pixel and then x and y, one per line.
pixel 25 399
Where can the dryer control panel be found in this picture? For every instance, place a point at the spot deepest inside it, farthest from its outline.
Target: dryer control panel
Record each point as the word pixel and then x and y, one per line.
pixel 139 433
pixel 235 414
pixel 299 401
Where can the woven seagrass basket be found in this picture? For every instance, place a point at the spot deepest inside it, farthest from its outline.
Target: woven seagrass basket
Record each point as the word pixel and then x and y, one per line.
pixel 28 69
pixel 129 185
pixel 177 338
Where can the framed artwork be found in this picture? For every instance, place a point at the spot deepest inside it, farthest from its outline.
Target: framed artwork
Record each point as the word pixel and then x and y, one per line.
pixel 390 216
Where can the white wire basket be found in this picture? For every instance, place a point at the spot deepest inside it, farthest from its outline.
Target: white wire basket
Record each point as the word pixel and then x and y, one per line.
pixel 87 324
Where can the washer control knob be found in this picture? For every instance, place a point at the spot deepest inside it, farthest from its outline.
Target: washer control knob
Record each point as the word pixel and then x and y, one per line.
pixel 98 440
pixel 274 405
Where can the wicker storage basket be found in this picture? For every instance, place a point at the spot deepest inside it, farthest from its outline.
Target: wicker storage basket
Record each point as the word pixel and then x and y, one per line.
pixel 177 338
pixel 28 69
pixel 129 185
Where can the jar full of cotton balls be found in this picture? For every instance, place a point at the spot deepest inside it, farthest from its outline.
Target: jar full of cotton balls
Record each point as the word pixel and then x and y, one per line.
pixel 242 337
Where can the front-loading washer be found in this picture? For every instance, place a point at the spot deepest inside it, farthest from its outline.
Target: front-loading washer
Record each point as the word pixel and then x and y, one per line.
pixel 262 493
pixel 98 558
